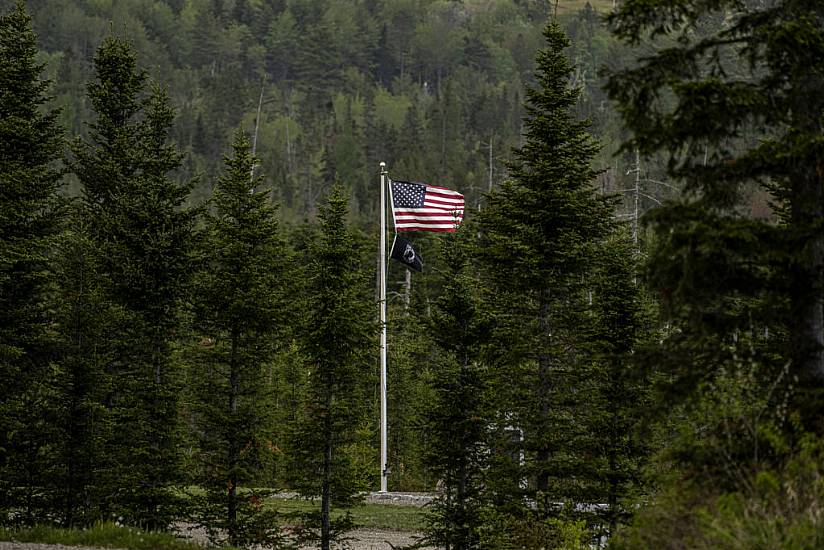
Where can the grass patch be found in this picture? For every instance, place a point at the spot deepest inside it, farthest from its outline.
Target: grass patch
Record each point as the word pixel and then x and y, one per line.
pixel 110 535
pixel 571 6
pixel 107 535
pixel 375 516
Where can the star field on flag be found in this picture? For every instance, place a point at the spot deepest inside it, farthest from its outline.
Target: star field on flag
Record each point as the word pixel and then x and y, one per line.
pixel 422 207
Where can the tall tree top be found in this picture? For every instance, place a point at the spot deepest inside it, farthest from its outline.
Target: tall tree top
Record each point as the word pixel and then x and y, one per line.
pixel 539 223
pixel 19 73
pixel 116 92
pixel 28 136
pixel 235 190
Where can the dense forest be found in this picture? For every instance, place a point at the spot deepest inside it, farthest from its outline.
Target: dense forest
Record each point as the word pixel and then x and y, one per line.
pixel 621 345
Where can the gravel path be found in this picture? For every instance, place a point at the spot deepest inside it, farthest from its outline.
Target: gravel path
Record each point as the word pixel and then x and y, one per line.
pixel 362 539
pixel 380 539
pixel 34 546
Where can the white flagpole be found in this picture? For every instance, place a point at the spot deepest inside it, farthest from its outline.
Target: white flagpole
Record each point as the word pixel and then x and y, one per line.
pixel 384 461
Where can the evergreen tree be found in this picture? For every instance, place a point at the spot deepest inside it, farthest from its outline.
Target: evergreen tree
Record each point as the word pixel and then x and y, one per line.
pixel 143 234
pixel 735 102
pixel 87 324
pixel 457 421
pixel 338 345
pixel 620 329
pixel 240 314
pixel 408 387
pixel 30 146
pixel 539 232
pixel 729 93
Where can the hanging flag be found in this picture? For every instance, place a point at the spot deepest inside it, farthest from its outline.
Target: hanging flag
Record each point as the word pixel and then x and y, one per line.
pixel 403 252
pixel 421 207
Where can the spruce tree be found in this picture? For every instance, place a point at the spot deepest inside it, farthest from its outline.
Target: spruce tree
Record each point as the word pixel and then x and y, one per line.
pixel 87 325
pixel 30 148
pixel 143 234
pixel 409 388
pixel 240 313
pixel 539 233
pixel 732 95
pixel 620 330
pixel 457 421
pixel 339 345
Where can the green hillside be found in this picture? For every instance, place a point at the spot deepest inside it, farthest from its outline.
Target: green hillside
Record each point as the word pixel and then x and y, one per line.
pixel 432 87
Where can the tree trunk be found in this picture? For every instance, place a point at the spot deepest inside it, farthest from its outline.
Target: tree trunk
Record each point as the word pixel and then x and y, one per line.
pixel 544 387
pixel 234 446
pixel 806 275
pixel 463 542
pixel 807 213
pixel 326 493
pixel 612 453
pixel 75 486
pixel 407 292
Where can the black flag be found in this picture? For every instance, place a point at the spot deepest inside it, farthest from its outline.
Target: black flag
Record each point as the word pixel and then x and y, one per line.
pixel 403 252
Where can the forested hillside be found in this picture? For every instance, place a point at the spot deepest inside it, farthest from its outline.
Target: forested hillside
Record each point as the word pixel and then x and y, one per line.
pixel 433 88
pixel 616 338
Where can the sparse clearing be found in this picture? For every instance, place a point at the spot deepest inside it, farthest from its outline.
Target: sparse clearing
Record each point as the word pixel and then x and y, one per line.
pixel 393 511
pixel 362 539
pixel 570 6
pixel 384 521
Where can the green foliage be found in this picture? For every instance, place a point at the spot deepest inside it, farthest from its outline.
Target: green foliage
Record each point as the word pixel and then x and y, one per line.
pixel 530 419
pixel 725 93
pixel 738 423
pixel 732 103
pixel 459 416
pixel 621 395
pixel 462 64
pixel 86 325
pixel 509 532
pixel 365 515
pixel 240 520
pixel 723 452
pixel 338 345
pixel 239 299
pixel 409 388
pixel 144 240
pixel 774 508
pixel 540 235
pixel 30 147
pixel 100 535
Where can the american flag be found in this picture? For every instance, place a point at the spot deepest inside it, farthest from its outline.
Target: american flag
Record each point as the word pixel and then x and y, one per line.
pixel 422 207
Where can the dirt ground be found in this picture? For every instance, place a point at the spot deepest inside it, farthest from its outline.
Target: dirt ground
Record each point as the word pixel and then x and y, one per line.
pixel 380 539
pixel 361 539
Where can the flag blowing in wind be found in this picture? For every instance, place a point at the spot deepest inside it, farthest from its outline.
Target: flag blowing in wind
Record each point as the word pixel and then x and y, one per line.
pixel 421 207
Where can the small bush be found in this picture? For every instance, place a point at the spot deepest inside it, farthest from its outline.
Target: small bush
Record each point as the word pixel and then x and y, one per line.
pixel 780 508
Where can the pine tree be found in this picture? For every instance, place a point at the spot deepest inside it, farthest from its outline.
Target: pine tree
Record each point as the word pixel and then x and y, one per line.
pixel 732 95
pixel 339 348
pixel 143 234
pixel 30 147
pixel 240 300
pixel 539 233
pixel 457 421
